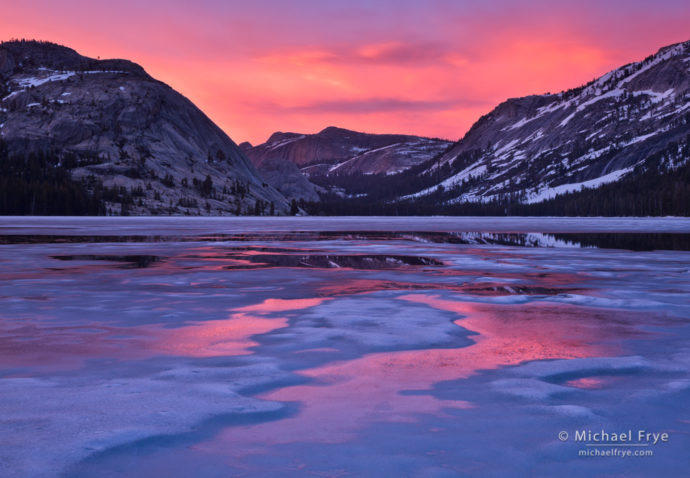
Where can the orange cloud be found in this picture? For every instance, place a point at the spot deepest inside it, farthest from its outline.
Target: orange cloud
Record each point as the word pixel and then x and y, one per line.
pixel 433 71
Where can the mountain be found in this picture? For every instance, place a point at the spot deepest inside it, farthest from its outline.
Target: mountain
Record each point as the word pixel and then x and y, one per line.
pixel 284 176
pixel 87 136
pixel 537 147
pixel 304 166
pixel 631 126
pixel 108 132
pixel 338 151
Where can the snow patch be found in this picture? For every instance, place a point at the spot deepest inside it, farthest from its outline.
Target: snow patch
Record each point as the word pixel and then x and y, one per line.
pixel 678 49
pixel 655 96
pixel 567 119
pixel 552 107
pixel 32 81
pixel 521 123
pixel 610 94
pixel 503 149
pixel 552 192
pixel 639 139
pixel 538 134
pixel 14 93
pixel 35 81
pixel 471 171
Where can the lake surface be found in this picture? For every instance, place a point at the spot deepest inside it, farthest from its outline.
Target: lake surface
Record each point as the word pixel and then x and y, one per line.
pixel 431 347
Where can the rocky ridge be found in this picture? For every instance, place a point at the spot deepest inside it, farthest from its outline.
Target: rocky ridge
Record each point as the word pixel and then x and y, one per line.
pixel 338 151
pixel 110 122
pixel 536 147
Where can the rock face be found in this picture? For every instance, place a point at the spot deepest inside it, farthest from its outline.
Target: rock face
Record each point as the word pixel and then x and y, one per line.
pixel 284 176
pixel 337 151
pixel 127 130
pixel 287 160
pixel 536 147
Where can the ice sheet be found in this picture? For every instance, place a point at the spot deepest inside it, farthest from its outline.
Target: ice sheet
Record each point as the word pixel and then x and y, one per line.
pixel 166 358
pixel 145 226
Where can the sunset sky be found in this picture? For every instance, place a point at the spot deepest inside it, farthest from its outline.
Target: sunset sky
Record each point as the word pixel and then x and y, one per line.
pixel 391 66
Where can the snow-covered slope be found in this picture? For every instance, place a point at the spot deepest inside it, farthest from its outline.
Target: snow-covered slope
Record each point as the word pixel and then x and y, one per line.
pixel 533 148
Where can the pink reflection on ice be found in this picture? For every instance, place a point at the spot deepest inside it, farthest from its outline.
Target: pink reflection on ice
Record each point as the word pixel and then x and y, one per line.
pixel 512 334
pixel 30 343
pixel 214 337
pixel 589 383
pixel 504 284
pixel 66 348
pixel 281 305
pixel 232 336
pixel 350 395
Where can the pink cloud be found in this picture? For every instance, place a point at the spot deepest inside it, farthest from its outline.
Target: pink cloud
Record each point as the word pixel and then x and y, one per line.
pixel 429 68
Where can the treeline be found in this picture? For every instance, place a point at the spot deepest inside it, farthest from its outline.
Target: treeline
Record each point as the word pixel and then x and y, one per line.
pixel 644 192
pixel 656 187
pixel 38 184
pixel 335 205
pixel 641 193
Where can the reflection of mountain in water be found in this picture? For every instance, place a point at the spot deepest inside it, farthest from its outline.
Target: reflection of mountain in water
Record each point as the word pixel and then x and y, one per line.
pixel 630 241
pixel 634 242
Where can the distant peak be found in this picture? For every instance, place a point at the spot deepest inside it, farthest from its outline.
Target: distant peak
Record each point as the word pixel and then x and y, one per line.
pixel 281 136
pixel 330 130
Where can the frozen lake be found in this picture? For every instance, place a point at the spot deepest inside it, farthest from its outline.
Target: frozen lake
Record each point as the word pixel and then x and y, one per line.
pixel 431 347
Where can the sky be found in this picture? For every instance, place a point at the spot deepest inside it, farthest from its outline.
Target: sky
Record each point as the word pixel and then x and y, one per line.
pixel 426 67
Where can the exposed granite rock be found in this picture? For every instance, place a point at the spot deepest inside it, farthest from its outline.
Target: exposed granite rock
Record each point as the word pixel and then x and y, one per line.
pixel 284 176
pixel 127 129
pixel 341 151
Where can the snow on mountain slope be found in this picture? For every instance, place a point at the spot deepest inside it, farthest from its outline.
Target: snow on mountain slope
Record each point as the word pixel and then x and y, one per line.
pixel 535 147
